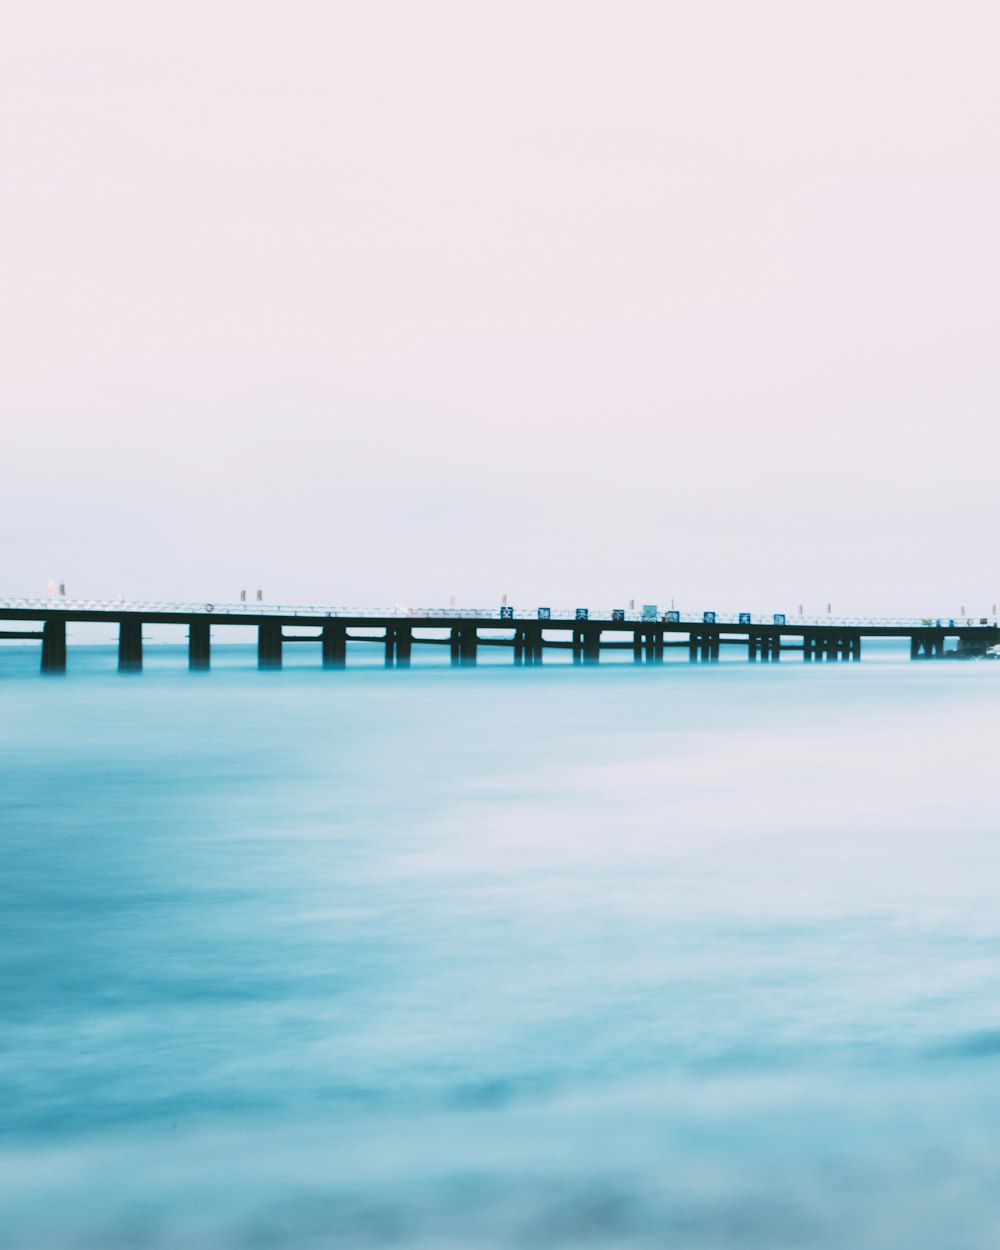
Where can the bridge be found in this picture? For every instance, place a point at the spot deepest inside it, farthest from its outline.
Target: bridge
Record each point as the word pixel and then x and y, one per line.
pixel 588 634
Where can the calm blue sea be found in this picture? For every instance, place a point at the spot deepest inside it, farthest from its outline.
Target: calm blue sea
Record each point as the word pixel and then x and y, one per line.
pixel 688 956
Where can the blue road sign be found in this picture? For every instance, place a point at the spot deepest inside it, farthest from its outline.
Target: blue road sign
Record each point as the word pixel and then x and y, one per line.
pixel 649 611
pixel 618 614
pixel 708 618
pixel 583 614
pixel 545 614
pixel 673 616
pixel 779 618
pixel 506 614
pixel 744 618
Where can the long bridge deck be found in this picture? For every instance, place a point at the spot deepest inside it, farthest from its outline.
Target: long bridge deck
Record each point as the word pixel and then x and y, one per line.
pixel 587 634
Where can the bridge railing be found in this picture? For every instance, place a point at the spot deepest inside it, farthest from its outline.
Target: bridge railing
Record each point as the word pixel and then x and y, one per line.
pixel 555 615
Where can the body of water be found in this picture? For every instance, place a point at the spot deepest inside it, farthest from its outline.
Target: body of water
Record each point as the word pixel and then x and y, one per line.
pixel 683 956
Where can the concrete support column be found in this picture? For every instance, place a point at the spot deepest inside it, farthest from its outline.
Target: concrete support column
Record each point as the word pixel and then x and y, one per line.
pixel 468 644
pixel 404 645
pixel 592 645
pixel 334 643
pixel 577 645
pixel 130 646
pixel 269 645
pixel 390 645
pixel 54 647
pixel 533 644
pixel 914 647
pixel 694 646
pixel 455 646
pixel 519 641
pixel 937 645
pixel 657 646
pixel 199 645
pixel 856 647
pixel 637 644
pixel 753 643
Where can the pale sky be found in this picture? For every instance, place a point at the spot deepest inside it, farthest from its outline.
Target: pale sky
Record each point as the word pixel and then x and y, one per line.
pixel 374 302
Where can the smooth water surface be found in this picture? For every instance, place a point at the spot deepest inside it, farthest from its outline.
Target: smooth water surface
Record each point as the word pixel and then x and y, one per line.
pixel 686 956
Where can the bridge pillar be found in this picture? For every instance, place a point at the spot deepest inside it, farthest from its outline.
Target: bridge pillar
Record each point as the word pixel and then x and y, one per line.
pixel 199 645
pixel 455 646
pixel 269 645
pixel 658 646
pixel 334 644
pixel 753 643
pixel 404 645
pixel 468 644
pixel 533 644
pixel 637 645
pixel 591 645
pixel 519 645
pixel 927 645
pixel 694 647
pixel 54 647
pixel 856 647
pixel 129 646
pixel 577 645
pixel 390 645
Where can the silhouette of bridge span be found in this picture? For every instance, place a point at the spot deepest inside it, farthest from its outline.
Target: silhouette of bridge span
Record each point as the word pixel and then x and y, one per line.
pixel 647 634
